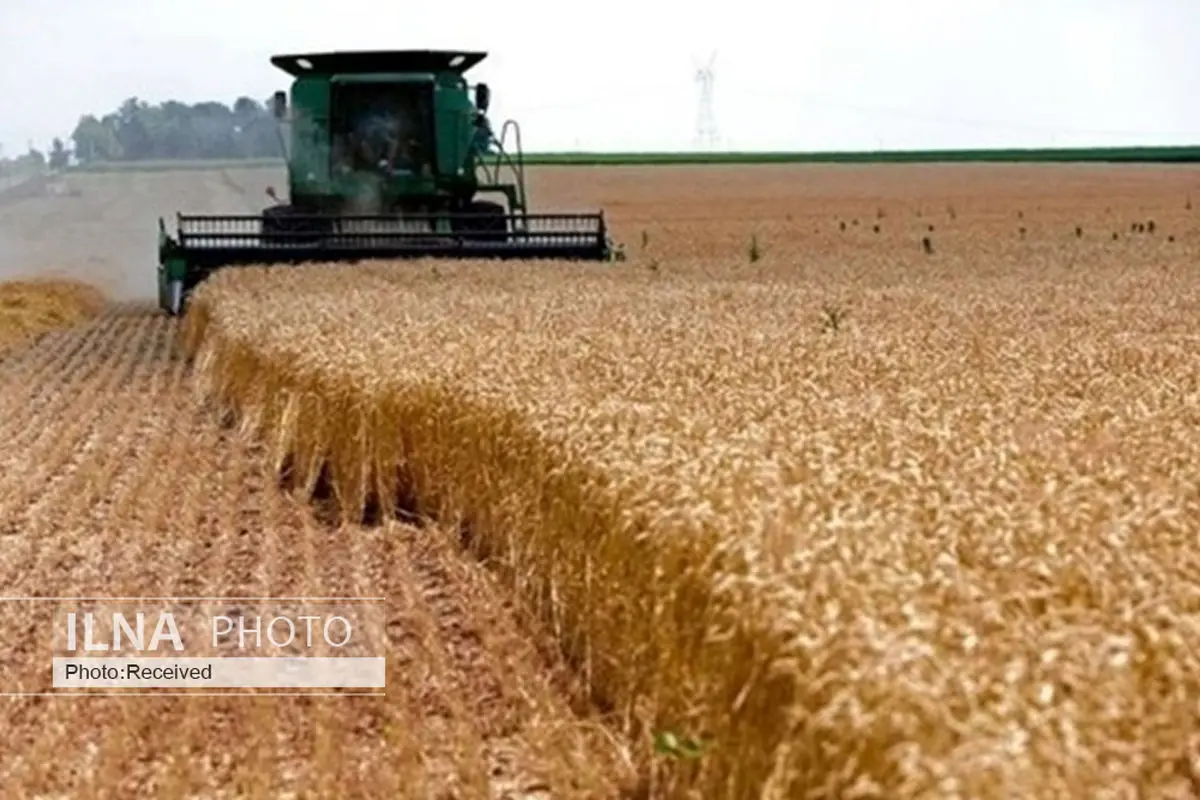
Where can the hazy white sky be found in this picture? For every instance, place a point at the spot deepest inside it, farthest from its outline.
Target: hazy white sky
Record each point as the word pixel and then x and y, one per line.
pixel 620 74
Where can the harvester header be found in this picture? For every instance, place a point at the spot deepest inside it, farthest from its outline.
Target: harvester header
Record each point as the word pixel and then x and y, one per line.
pixel 387 156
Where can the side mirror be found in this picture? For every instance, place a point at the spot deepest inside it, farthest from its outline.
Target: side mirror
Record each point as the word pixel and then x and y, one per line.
pixel 483 97
pixel 279 105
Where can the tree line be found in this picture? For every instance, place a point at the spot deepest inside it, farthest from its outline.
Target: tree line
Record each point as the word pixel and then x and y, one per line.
pixel 141 131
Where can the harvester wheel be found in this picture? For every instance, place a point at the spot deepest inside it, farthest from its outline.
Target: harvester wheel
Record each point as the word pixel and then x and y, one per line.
pixel 486 222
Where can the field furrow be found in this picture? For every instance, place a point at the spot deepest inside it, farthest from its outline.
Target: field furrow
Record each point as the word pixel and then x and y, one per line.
pixel 120 483
pixel 36 372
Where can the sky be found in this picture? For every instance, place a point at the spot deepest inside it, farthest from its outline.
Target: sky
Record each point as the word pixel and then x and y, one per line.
pixel 621 74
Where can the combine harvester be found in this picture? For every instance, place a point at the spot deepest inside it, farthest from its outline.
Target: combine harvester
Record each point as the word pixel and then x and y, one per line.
pixel 387 156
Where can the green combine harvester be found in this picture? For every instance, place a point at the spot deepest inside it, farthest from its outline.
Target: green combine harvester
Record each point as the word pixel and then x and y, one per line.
pixel 387 155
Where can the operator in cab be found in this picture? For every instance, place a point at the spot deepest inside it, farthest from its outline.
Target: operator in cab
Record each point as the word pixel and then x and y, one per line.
pixel 383 137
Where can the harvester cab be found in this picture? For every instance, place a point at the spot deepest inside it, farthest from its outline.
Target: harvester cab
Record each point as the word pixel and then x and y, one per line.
pixel 389 155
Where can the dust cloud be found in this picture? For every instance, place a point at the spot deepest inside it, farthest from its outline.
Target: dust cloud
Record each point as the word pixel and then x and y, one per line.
pixel 103 228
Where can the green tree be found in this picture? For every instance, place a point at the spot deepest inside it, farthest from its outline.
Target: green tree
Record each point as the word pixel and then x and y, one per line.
pixel 95 141
pixel 59 155
pixel 138 130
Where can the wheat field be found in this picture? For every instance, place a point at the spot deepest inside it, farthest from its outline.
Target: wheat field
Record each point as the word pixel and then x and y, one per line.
pixel 858 482
pixel 29 308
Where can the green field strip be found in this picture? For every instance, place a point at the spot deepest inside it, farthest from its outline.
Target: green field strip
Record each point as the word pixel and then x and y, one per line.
pixel 1109 155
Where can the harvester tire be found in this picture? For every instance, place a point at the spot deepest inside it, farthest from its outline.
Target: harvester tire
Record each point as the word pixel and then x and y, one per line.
pixel 487 221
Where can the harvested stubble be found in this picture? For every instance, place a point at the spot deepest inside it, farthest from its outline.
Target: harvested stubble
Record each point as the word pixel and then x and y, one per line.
pixel 35 306
pixel 114 483
pixel 946 549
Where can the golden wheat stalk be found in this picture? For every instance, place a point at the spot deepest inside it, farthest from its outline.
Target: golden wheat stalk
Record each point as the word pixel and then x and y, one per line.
pixel 837 560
